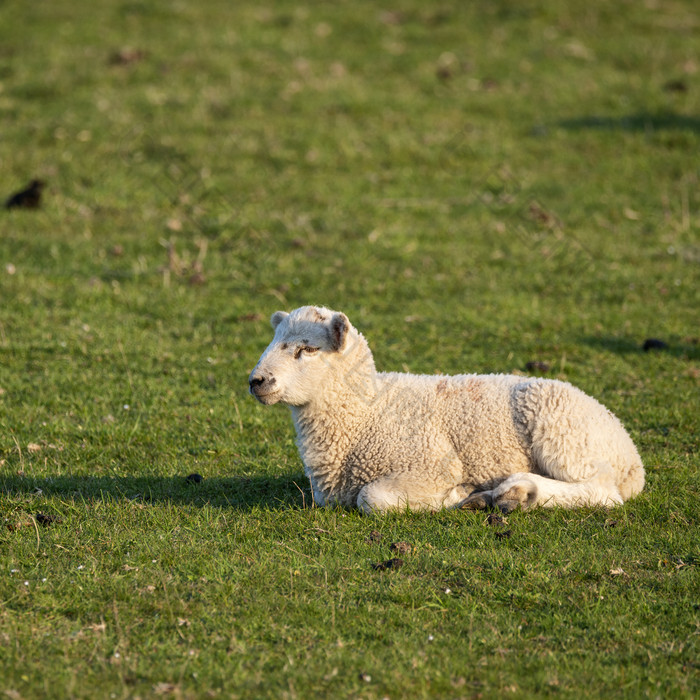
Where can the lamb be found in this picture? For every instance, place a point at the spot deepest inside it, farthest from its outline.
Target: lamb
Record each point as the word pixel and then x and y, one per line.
pixel 383 441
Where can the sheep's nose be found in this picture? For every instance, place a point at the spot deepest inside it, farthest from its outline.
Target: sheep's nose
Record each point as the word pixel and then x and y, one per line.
pixel 256 381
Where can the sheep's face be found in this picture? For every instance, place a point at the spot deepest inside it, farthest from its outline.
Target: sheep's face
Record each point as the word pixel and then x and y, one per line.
pixel 306 345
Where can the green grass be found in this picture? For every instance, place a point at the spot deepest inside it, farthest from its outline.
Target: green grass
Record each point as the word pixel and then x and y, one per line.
pixel 476 185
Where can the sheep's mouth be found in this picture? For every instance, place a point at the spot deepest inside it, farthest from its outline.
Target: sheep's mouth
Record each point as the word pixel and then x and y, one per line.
pixel 266 397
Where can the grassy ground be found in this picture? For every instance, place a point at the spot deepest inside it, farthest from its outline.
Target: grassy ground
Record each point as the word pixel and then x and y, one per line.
pixel 477 186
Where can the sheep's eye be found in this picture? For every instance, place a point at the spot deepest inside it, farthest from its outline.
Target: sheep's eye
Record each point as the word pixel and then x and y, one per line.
pixel 306 349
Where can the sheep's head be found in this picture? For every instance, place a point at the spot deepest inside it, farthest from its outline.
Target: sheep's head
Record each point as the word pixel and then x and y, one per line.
pixel 309 342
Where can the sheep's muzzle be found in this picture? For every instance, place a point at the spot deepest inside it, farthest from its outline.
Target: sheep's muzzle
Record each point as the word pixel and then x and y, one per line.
pixel 263 388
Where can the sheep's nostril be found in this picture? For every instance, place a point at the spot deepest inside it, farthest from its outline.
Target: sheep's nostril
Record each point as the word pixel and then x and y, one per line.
pixel 256 381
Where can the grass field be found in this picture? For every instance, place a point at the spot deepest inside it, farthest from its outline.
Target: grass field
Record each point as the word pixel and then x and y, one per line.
pixel 477 185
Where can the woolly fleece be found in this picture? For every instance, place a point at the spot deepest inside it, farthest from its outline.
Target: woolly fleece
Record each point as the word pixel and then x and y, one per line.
pixel 382 441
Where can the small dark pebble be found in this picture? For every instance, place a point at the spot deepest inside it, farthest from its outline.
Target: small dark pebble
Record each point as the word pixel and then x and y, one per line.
pixel 388 564
pixel 495 519
pixel 46 519
pixel 28 198
pixel 194 478
pixel 537 366
pixel 503 534
pixel 654 344
pixel 374 536
pixel 401 547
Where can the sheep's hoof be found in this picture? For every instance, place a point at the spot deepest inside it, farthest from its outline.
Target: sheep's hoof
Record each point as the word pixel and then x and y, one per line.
pixel 521 495
pixel 477 501
pixel 508 506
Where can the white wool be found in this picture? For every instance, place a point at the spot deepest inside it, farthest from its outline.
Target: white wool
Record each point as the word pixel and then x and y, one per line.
pixel 388 440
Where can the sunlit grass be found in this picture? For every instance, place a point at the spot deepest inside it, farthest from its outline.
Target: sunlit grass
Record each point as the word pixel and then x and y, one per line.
pixel 477 186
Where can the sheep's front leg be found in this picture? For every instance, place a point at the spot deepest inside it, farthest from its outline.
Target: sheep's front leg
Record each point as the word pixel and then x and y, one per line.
pixel 402 491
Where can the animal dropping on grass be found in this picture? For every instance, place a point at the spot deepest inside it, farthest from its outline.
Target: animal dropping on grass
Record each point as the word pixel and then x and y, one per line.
pixel 389 564
pixel 374 536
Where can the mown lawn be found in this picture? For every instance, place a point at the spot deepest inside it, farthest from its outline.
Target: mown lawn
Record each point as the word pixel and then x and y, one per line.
pixel 478 186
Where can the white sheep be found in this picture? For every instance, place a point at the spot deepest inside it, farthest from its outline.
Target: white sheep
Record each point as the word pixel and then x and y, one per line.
pixel 383 441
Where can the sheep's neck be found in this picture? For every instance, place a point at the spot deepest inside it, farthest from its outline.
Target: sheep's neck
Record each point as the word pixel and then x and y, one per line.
pixel 338 410
pixel 323 427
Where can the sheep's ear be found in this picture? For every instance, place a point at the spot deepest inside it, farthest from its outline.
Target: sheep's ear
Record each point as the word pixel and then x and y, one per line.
pixel 339 331
pixel 277 318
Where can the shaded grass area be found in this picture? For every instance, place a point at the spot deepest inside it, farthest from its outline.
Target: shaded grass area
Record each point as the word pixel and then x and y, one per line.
pixel 477 186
